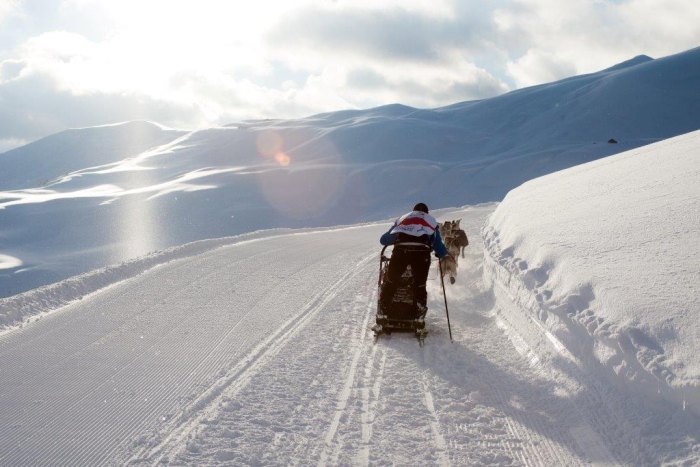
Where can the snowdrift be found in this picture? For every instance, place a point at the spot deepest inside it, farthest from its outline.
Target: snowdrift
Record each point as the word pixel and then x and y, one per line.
pixel 604 256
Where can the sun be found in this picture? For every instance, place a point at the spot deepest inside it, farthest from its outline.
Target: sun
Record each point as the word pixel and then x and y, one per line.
pixel 150 46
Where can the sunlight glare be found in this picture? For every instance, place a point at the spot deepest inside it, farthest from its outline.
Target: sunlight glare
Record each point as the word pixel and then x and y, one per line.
pixel 307 190
pixel 9 262
pixel 152 46
pixel 282 159
pixel 269 143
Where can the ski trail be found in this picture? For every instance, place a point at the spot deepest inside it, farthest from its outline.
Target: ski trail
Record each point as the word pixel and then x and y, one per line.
pixel 440 444
pixel 370 397
pixel 283 415
pixel 240 376
pixel 344 396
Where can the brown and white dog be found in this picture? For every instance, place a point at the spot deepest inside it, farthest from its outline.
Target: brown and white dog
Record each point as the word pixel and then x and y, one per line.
pixel 455 240
pixel 449 263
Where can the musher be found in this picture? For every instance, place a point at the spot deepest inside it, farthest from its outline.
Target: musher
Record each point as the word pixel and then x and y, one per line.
pixel 414 235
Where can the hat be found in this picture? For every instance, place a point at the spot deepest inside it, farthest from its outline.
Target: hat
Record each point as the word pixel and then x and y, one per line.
pixel 422 207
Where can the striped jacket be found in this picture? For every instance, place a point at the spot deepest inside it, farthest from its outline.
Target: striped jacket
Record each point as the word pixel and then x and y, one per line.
pixel 420 225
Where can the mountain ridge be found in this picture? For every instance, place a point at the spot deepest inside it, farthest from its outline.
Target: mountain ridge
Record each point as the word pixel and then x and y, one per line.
pixel 86 198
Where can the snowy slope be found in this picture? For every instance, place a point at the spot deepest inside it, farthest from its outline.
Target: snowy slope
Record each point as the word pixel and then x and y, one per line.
pixel 258 351
pixel 605 256
pixel 88 198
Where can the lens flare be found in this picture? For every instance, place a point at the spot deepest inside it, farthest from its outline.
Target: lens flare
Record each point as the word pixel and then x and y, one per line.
pixel 269 143
pixel 282 159
pixel 308 178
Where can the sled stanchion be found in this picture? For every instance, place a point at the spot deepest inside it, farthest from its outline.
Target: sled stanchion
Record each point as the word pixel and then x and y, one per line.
pixel 444 294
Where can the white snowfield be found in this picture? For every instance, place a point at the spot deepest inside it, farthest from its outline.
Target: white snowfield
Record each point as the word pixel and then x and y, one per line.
pixel 605 256
pixel 257 350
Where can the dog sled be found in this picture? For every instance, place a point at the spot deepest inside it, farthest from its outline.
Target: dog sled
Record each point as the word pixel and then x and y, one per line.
pixel 403 314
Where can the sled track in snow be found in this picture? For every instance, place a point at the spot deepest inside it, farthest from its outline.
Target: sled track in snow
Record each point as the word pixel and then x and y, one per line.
pixel 240 375
pixel 439 440
pixel 370 390
pixel 342 401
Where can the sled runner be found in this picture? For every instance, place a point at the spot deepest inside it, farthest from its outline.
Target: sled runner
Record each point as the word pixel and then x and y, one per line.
pixel 403 314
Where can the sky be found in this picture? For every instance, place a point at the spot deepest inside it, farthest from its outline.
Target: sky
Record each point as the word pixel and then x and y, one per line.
pixel 193 64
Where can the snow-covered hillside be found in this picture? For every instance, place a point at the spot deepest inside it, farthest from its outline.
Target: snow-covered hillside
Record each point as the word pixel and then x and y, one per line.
pixel 92 197
pixel 605 256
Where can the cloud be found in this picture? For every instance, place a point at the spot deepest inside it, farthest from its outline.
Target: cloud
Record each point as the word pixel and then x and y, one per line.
pixel 587 36
pixel 34 105
pixel 427 88
pixel 538 66
pixel 366 79
pixel 11 69
pixel 7 144
pixel 394 54
pixel 88 62
pixel 394 34
pixel 7 9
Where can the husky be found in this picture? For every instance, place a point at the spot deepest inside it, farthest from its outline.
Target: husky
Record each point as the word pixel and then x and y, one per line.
pixel 446 229
pixel 449 263
pixel 459 238
pixel 449 268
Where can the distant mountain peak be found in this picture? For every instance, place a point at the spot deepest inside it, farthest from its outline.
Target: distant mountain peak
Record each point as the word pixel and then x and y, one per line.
pixel 639 59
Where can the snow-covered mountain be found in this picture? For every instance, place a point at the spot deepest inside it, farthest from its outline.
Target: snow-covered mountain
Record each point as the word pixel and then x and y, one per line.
pixel 90 197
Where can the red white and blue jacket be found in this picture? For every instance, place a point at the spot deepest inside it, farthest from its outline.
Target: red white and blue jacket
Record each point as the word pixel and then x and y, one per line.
pixel 416 224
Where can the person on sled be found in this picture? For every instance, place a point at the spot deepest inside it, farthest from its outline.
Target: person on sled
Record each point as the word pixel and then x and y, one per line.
pixel 413 235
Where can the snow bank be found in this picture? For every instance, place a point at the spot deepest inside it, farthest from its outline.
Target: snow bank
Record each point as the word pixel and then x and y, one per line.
pixel 605 256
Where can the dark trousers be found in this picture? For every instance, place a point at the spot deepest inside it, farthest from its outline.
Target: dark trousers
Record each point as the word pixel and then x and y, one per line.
pixel 401 257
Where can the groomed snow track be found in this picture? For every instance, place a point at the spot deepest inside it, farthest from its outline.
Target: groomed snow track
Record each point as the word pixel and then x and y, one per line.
pixel 259 352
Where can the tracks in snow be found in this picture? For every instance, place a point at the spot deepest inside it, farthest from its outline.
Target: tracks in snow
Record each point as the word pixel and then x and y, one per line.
pixel 100 380
pixel 265 356
pixel 331 447
pixel 240 376
pixel 329 396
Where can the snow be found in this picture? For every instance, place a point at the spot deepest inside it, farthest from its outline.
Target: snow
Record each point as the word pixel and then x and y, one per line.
pixel 605 255
pixel 23 308
pixel 258 351
pixel 9 262
pixel 205 297
pixel 88 198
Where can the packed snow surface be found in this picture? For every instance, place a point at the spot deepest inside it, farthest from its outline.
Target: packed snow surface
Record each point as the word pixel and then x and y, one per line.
pixel 87 198
pixel 257 350
pixel 606 256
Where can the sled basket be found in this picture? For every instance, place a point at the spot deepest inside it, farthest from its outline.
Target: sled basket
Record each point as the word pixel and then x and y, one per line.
pixel 401 314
